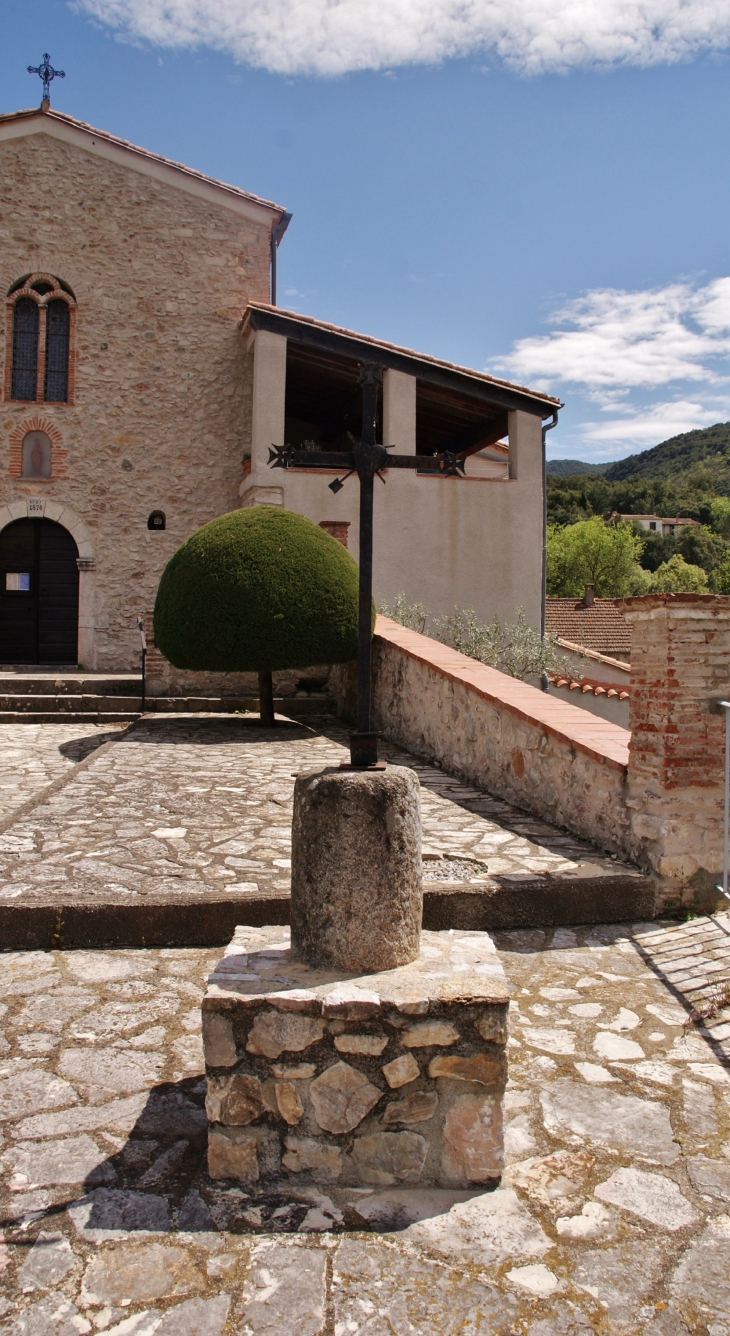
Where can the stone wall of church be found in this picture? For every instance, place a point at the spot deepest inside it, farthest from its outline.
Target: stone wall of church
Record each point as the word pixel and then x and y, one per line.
pixel 161 412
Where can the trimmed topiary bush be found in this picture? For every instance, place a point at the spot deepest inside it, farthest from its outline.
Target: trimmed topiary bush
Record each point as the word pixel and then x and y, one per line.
pixel 258 590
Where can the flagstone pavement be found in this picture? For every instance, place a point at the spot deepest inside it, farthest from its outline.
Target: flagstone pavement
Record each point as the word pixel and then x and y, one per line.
pixel 613 1214
pixel 192 806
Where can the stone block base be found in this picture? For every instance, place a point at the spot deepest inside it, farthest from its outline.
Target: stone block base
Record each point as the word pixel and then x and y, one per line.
pixel 372 1080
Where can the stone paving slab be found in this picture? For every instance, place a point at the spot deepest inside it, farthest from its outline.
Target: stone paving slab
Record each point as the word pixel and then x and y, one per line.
pixel 183 828
pixel 33 756
pixel 613 1215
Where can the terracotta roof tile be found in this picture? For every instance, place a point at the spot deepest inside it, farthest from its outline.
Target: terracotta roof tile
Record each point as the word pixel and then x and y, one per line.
pixel 601 627
pixel 398 348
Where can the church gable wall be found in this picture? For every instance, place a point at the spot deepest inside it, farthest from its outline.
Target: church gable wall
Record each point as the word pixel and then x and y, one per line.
pixel 162 401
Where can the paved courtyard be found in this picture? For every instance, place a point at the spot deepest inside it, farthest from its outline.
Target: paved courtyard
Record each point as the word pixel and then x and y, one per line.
pixel 35 756
pixel 613 1214
pixel 188 807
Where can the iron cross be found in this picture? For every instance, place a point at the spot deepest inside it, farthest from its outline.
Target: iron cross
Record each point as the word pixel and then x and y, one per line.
pixel 47 73
pixel 367 460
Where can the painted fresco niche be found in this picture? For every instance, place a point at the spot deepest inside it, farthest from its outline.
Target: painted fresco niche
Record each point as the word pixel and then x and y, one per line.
pixel 36 455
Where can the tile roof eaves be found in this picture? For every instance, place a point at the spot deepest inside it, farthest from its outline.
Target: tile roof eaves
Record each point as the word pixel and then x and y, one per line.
pixel 593 654
pixel 127 144
pixel 481 376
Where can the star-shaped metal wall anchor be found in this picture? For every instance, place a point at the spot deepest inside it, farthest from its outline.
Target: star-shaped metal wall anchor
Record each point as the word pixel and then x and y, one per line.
pixel 367 460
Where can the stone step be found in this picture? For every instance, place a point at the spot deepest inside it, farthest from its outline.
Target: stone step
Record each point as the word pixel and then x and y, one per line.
pixel 67 717
pixel 519 901
pixel 63 704
pixel 69 684
pixel 36 709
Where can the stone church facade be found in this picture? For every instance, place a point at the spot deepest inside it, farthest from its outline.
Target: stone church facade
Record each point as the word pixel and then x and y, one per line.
pixel 140 384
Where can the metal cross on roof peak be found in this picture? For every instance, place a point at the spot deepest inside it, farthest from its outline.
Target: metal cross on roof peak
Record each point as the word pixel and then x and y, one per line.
pixel 47 73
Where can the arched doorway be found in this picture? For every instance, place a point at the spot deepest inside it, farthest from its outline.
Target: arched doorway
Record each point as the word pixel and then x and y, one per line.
pixel 39 593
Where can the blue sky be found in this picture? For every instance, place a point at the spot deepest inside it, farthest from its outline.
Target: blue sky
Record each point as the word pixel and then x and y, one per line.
pixel 538 188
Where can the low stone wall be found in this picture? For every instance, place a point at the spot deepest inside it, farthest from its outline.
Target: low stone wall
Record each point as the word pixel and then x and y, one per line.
pixel 520 743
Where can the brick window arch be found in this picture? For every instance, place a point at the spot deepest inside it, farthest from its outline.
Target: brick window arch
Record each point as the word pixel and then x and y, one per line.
pixel 41 325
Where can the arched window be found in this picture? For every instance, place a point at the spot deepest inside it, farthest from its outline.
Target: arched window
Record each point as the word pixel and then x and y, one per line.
pixel 156 520
pixel 41 318
pixel 25 349
pixel 58 326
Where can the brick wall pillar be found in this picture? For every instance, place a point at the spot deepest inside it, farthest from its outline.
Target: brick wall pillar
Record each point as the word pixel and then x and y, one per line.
pixel 157 667
pixel 336 529
pixel 680 668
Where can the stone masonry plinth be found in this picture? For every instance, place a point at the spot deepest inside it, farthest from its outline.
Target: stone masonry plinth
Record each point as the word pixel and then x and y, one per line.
pixel 388 1078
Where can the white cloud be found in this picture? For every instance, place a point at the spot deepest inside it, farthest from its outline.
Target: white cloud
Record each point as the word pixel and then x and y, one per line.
pixel 649 426
pixel 614 348
pixel 618 341
pixel 331 37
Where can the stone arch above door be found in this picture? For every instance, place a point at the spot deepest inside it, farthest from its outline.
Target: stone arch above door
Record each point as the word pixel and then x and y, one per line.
pixel 52 510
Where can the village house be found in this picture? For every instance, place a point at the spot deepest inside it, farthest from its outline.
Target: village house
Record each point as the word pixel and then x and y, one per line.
pixel 146 373
pixel 665 525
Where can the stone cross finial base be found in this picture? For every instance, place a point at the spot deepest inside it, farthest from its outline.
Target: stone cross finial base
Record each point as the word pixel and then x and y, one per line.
pixel 318 1076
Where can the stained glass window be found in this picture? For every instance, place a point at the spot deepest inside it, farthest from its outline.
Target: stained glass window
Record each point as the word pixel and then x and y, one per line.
pixel 25 349
pixel 58 323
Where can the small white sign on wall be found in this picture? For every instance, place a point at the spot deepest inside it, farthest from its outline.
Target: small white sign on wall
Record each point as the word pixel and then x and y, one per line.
pixel 36 507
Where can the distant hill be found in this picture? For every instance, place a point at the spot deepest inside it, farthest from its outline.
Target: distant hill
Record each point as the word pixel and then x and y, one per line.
pixel 568 468
pixel 671 457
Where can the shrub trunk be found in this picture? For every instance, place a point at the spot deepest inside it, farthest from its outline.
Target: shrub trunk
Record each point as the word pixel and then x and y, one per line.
pixel 266 699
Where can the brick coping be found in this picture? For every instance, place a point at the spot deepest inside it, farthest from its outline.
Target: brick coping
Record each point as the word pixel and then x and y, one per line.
pixel 598 738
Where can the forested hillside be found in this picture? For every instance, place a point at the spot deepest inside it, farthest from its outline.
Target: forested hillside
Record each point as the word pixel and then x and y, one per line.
pixel 687 476
pixel 708 446
pixel 682 476
pixel 564 468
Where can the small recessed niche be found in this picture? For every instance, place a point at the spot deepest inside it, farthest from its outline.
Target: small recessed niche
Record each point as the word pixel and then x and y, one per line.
pixel 157 520
pixel 36 459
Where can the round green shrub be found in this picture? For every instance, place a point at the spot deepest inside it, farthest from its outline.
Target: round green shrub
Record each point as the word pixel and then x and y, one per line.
pixel 258 590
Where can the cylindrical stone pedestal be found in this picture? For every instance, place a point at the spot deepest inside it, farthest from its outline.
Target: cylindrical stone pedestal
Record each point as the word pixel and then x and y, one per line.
pixel 356 887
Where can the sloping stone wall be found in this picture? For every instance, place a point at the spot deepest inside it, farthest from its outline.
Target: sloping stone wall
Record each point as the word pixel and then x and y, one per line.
pixel 520 743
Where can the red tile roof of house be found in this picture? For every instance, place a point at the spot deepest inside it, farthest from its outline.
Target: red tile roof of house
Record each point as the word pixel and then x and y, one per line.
pixel 601 627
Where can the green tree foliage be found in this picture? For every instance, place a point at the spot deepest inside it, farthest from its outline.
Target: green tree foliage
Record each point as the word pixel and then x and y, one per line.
pixel 413 615
pixel 593 552
pixel 720 515
pixel 655 549
pixel 677 576
pixel 258 590
pixel 720 578
pixel 709 446
pixel 515 648
pixel 700 546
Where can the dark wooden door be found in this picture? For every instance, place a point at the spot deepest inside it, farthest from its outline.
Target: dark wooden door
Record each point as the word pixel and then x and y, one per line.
pixel 39 593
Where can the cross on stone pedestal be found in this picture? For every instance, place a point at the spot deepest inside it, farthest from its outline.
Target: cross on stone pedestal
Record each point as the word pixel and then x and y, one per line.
pixel 367 459
pixel 47 73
